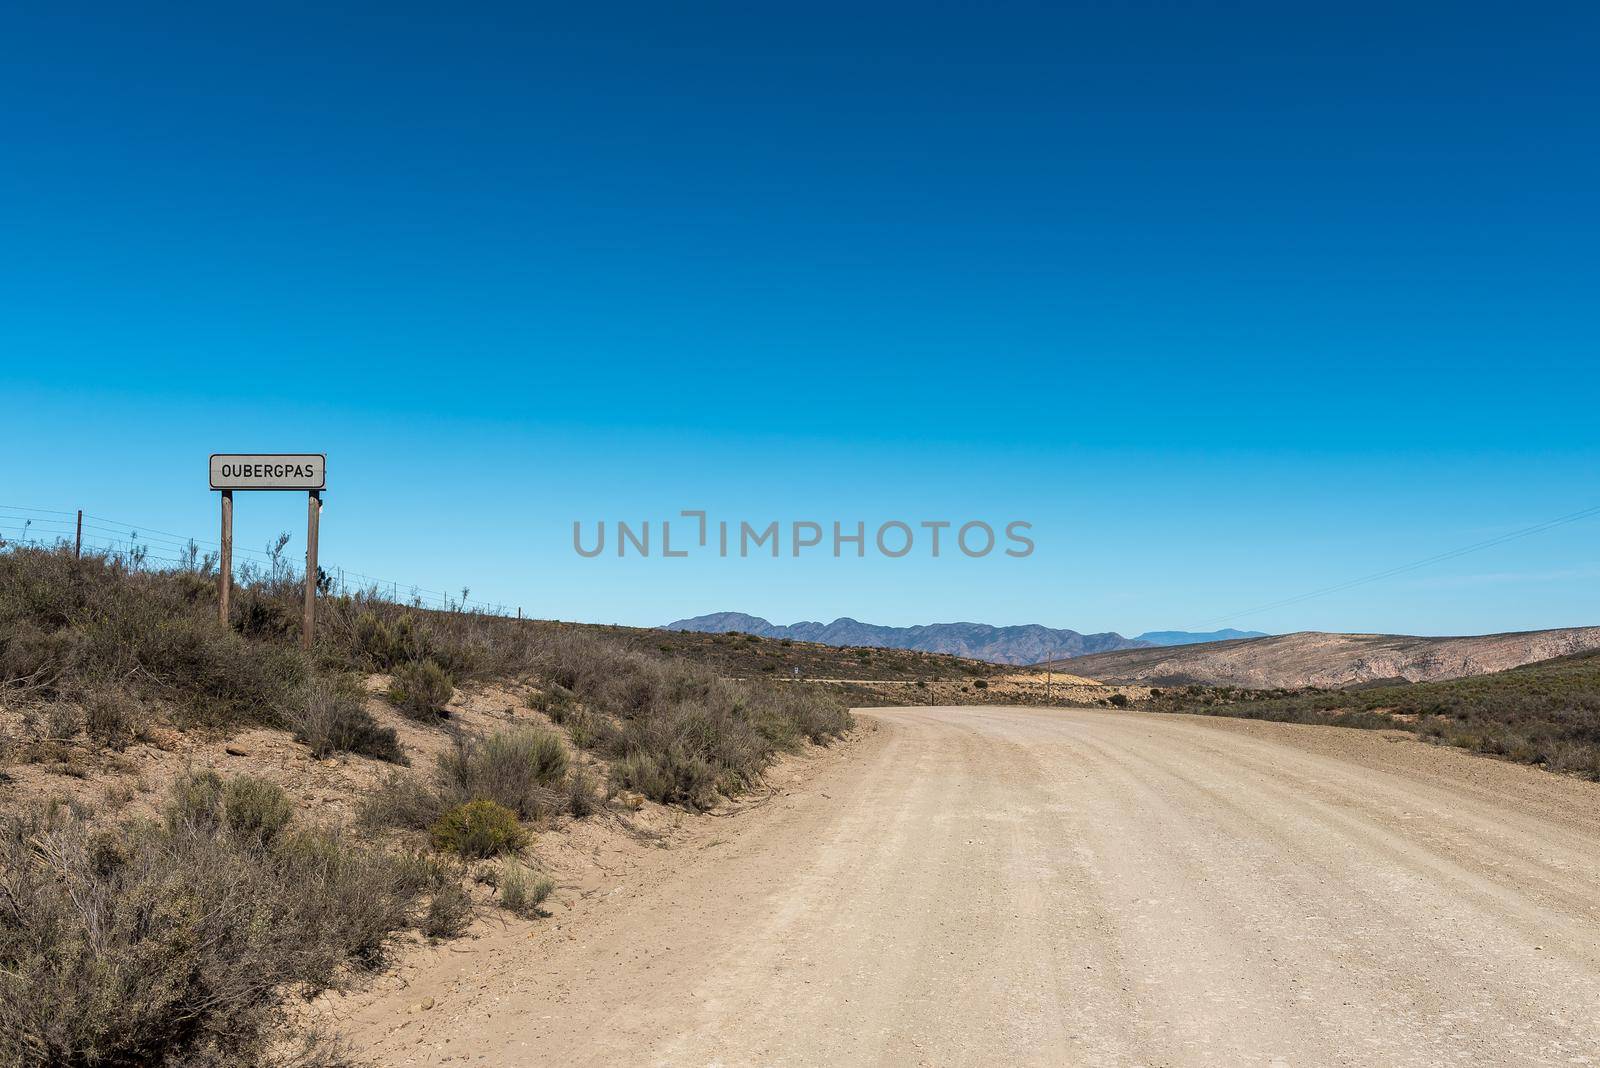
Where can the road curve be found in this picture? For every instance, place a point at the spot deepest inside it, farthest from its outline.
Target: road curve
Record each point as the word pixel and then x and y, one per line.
pixel 977 886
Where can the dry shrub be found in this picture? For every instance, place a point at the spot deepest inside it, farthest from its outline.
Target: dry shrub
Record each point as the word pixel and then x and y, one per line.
pixel 329 715
pixel 520 771
pixel 403 800
pixel 115 718
pixel 71 628
pixel 449 912
pixel 421 690
pixel 152 944
pixel 254 810
pixel 583 796
pixel 677 732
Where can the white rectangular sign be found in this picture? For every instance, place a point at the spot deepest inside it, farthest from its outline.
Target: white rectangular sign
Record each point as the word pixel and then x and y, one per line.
pixel 269 471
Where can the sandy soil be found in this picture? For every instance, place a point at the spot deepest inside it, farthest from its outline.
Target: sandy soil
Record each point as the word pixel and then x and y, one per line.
pixel 1006 885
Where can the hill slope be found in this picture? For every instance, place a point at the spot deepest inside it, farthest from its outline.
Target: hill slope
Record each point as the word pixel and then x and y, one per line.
pixel 1313 658
pixel 1027 644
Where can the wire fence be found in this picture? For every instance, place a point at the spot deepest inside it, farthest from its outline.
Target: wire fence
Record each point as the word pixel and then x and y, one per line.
pixel 137 546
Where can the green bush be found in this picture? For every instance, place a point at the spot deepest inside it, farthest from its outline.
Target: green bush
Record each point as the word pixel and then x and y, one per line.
pixel 421 689
pixel 479 828
pixel 384 646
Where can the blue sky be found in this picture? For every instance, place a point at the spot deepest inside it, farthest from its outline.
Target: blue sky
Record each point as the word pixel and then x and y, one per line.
pixel 1229 306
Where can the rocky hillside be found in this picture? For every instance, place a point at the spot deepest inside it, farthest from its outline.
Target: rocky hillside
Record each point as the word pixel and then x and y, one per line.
pixel 1312 658
pixel 999 645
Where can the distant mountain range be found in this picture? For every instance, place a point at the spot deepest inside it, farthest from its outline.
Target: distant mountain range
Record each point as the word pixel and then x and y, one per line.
pixel 1191 637
pixel 1026 644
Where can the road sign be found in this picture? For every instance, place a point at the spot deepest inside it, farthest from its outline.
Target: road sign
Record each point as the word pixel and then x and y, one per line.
pixel 303 471
pixel 269 471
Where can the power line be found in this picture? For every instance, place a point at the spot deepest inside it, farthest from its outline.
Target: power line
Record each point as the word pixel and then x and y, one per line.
pixel 1537 528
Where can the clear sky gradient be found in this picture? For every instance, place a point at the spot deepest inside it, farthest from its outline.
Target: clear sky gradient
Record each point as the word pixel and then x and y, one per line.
pixel 1230 304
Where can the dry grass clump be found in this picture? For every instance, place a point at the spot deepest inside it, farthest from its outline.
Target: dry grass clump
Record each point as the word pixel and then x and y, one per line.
pixel 521 891
pixel 251 810
pixel 175 943
pixel 520 769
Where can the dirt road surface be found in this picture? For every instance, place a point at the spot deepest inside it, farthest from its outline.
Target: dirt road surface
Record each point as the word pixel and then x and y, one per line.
pixel 977 886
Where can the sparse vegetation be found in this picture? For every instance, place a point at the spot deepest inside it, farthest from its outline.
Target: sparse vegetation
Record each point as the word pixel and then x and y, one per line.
pixel 522 892
pixel 1546 713
pixel 524 771
pixel 174 940
pixel 676 732
pixel 147 943
pixel 89 631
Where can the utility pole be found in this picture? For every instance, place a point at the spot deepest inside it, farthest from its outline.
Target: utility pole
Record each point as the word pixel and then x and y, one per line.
pixel 77 545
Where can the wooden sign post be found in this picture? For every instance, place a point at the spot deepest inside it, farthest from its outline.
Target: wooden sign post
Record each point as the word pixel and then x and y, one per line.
pixel 225 560
pixel 271 471
pixel 308 626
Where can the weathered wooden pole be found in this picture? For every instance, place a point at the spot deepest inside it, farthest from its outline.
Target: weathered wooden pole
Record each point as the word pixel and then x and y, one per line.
pixel 225 560
pixel 313 508
pixel 77 545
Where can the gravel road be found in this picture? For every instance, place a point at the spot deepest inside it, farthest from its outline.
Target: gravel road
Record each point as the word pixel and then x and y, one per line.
pixel 977 886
